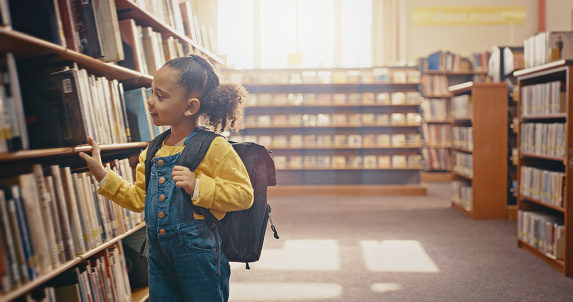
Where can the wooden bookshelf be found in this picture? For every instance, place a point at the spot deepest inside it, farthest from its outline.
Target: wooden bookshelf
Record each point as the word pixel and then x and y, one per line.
pixel 34 53
pixel 533 78
pixel 489 153
pixel 447 78
pixel 339 179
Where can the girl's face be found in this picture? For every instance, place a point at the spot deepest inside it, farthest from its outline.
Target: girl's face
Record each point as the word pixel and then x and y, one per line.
pixel 168 102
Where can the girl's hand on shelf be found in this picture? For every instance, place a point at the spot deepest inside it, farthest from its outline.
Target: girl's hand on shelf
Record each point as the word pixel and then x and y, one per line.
pixel 184 178
pixel 94 161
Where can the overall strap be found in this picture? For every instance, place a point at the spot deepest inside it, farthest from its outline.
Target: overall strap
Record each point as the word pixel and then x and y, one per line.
pixel 154 145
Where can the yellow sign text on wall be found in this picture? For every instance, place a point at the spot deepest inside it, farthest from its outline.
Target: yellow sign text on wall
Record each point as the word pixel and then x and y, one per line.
pixel 468 15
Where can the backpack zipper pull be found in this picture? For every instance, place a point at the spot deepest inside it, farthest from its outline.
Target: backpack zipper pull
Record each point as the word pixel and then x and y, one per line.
pixel 276 234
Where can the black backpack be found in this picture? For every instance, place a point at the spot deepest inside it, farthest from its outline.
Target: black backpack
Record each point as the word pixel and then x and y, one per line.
pixel 242 232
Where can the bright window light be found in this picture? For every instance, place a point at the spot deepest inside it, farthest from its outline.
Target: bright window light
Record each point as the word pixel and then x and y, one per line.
pixel 314 36
pixel 235 32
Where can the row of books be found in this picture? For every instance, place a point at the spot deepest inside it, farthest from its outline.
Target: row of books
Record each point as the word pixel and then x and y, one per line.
pixel 83 26
pixel 434 109
pixel 50 218
pixel 462 138
pixel 348 162
pixel 435 85
pixel 103 277
pixel 462 194
pixel 455 62
pixel 327 99
pixel 180 16
pixel 337 119
pixel 359 76
pixel 546 47
pixel 540 99
pixel 63 106
pixel 462 106
pixel 463 163
pixel 437 135
pixel 543 138
pixel 543 185
pixel 92 28
pixel 333 141
pixel 437 159
pixel 542 231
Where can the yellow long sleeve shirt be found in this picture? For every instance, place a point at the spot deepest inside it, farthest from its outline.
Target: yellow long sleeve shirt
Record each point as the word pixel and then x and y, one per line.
pixel 224 184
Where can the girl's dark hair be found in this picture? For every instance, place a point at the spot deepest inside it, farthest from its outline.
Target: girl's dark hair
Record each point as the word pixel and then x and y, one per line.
pixel 222 104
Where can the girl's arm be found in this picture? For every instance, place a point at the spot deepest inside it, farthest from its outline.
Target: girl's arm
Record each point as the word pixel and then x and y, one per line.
pixel 224 184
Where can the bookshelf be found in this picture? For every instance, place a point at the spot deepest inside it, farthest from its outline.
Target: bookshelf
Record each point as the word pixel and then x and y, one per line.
pixel 544 165
pixel 437 117
pixel 440 70
pixel 27 53
pixel 479 113
pixel 337 131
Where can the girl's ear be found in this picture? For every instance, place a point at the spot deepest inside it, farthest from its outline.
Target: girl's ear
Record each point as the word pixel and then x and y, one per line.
pixel 193 106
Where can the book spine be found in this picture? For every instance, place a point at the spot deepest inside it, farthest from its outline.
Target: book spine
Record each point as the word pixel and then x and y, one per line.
pixel 74 212
pixel 56 219
pixel 32 268
pixel 46 211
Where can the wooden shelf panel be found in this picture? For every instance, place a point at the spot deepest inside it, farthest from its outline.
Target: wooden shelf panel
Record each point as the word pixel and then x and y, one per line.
pixel 331 147
pixel 247 127
pixel 140 294
pixel 66 151
pixel 539 202
pixel 348 190
pixel 346 169
pixel 540 156
pixel 531 118
pixel 557 264
pixel 461 209
pixel 454 73
pixel 335 106
pixel 331 88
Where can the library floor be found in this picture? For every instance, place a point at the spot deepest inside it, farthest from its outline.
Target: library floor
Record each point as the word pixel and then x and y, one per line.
pixel 409 248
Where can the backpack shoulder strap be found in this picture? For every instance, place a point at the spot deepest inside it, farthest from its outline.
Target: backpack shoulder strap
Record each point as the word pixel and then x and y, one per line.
pixel 196 148
pixel 154 145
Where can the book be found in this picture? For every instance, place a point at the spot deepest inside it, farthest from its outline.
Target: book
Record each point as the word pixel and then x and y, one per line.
pixel 109 27
pixel 13 103
pixel 50 187
pixel 54 109
pixel 37 233
pixel 88 26
pixel 132 46
pixel 138 116
pixel 45 209
pixel 38 18
pixel 9 242
pixel 152 49
pixel 29 262
pixel 187 20
pixel 4 13
pixel 65 219
pixel 77 228
pixel 69 25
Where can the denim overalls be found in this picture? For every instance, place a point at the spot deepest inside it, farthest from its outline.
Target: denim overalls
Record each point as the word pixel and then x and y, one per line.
pixel 182 253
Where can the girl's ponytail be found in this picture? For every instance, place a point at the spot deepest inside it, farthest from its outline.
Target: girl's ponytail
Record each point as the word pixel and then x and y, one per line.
pixel 224 107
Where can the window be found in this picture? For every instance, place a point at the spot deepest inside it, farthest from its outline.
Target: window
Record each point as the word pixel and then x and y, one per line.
pixel 328 33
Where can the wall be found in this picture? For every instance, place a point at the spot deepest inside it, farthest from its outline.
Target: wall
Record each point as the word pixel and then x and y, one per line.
pixel 423 40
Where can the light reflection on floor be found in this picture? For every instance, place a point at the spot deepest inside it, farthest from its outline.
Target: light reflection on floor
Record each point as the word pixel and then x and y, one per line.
pixel 323 255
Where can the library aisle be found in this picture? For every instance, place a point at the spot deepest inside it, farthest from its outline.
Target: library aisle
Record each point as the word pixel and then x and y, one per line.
pixel 408 248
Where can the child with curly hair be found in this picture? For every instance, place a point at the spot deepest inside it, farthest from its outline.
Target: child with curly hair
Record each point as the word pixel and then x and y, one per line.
pixel 183 261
